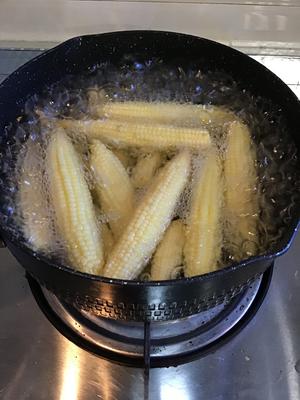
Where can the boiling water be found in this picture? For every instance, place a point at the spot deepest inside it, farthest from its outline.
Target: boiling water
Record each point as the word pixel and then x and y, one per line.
pixel 277 162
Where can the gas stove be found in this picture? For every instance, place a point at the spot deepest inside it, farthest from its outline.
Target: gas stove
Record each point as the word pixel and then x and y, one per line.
pixel 247 349
pixel 156 343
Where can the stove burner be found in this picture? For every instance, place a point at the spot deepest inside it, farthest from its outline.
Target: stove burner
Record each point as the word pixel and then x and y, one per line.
pixel 155 343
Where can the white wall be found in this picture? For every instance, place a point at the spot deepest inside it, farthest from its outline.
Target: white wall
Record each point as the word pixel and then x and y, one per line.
pixel 55 20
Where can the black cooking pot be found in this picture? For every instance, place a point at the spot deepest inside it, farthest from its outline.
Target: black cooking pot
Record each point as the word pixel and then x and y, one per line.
pixel 132 300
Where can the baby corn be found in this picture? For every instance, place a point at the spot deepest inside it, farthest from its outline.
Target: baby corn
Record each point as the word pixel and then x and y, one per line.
pixel 169 253
pixel 113 186
pixel 138 134
pixel 36 221
pixel 107 236
pixel 165 112
pixel 145 169
pixel 241 203
pixel 203 234
pixel 149 221
pixel 108 239
pixel 72 203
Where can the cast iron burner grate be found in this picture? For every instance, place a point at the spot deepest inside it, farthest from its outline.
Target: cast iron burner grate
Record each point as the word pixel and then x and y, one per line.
pixel 156 343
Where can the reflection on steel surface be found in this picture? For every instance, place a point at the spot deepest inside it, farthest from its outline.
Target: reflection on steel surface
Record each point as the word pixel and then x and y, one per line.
pixel 175 389
pixel 70 373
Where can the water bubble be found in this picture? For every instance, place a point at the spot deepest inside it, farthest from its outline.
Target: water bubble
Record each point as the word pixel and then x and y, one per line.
pixel 138 66
pixel 10 210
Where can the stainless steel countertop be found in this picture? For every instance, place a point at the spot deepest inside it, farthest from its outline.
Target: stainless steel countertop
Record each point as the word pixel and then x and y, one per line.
pixel 261 363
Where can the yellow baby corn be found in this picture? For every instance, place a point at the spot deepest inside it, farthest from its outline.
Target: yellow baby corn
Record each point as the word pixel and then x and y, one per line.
pixel 241 203
pixel 72 203
pixel 108 239
pixel 145 168
pixel 165 112
pixel 36 219
pixel 107 236
pixel 137 134
pixel 203 233
pixel 150 219
pixel 113 186
pixel 169 253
